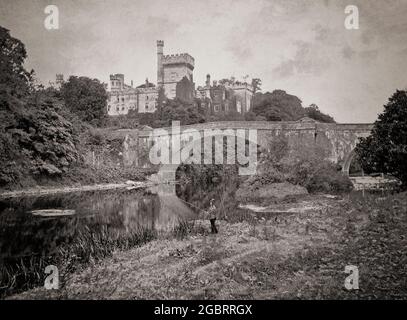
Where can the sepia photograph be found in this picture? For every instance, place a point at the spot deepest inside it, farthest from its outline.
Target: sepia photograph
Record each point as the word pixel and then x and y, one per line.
pixel 219 151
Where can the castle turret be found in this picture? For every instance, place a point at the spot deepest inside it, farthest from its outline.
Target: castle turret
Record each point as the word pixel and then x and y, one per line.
pixel 59 80
pixel 160 69
pixel 116 81
pixel 208 80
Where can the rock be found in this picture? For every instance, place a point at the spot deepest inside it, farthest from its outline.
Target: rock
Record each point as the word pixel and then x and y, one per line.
pixel 281 190
pixel 274 190
pixel 52 212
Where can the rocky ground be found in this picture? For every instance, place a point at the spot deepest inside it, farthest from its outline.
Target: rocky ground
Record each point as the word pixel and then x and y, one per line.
pixel 298 252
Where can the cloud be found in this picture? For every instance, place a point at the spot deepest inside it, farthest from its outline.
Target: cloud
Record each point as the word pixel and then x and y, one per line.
pixel 300 46
pixel 307 60
pixel 348 52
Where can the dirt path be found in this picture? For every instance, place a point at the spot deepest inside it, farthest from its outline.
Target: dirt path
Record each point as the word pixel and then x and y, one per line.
pixel 256 260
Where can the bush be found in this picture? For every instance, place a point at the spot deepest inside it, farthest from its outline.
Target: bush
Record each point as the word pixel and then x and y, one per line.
pixel 329 179
pixel 300 165
pixel 39 142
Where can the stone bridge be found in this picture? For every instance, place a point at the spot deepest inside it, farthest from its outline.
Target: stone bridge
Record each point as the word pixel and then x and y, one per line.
pixel 336 140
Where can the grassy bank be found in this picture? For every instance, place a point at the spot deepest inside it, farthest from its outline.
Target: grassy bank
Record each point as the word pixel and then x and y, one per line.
pixel 302 254
pixel 89 246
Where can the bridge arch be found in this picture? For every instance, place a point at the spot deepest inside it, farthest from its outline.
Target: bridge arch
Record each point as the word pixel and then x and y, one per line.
pixel 347 161
pixel 167 172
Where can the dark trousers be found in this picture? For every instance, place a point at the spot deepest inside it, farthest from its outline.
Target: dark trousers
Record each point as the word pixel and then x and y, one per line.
pixel 213 225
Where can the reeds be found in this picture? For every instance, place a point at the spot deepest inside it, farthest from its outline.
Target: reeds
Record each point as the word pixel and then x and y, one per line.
pixel 90 245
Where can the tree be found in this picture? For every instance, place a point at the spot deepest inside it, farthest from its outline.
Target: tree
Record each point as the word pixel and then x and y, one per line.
pixel 314 113
pixel 35 138
pixel 15 80
pixel 256 84
pixel 250 116
pixel 178 110
pixel 385 150
pixel 278 106
pixel 85 97
pixel 281 106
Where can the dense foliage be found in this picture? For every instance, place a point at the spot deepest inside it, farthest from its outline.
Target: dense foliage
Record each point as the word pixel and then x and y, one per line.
pixel 198 184
pixel 15 81
pixel 385 150
pixel 313 112
pixel 281 106
pixel 300 165
pixel 278 106
pixel 178 110
pixel 34 138
pixel 85 97
pixel 43 132
pixel 275 106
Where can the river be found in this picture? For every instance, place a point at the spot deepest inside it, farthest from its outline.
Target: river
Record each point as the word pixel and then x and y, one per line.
pixel 116 213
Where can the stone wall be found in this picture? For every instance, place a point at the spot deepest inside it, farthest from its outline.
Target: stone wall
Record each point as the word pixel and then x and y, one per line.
pixel 336 140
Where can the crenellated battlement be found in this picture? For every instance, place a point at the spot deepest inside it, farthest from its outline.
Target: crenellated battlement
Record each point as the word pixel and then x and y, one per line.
pixel 147 90
pixel 238 85
pixel 182 58
pixel 117 76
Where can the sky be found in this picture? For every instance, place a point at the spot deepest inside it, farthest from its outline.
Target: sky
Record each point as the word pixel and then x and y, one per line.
pixel 300 46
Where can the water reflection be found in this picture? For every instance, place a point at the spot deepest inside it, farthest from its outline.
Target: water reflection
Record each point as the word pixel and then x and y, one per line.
pixel 121 211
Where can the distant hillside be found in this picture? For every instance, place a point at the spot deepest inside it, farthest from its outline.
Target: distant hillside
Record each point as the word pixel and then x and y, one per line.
pixel 281 106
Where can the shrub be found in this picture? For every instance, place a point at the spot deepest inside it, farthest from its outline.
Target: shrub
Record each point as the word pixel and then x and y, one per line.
pixel 300 165
pixel 39 142
pixel 329 179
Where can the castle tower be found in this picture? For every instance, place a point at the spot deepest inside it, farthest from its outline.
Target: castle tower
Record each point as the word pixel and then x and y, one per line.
pixel 175 68
pixel 208 80
pixel 160 69
pixel 116 81
pixel 59 80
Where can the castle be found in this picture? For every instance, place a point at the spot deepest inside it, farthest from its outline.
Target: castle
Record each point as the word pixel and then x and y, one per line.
pixel 175 80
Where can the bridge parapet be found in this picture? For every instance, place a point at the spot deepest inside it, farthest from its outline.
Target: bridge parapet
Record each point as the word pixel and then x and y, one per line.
pixel 337 139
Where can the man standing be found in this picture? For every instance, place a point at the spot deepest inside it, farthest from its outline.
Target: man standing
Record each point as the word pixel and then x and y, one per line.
pixel 212 216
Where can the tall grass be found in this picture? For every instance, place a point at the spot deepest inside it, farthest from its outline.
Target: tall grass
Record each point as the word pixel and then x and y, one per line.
pixel 186 228
pixel 89 246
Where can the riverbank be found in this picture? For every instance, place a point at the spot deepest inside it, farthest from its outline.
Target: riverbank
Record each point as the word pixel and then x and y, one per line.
pixel 82 179
pixel 38 191
pixel 300 255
